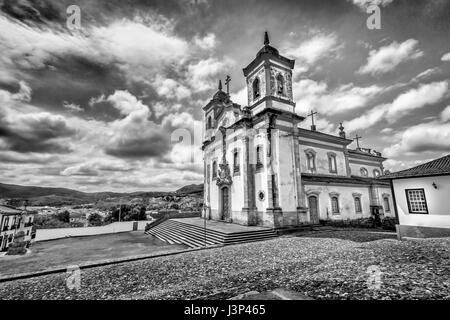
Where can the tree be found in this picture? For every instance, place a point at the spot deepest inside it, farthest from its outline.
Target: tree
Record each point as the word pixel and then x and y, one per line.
pixel 63 216
pixel 95 219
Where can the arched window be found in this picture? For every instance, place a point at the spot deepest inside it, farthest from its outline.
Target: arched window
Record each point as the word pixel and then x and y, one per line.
pixel 280 84
pixel 209 124
pixel 376 173
pixel 214 169
pixel 311 160
pixel 259 162
pixel 256 92
pixel 364 172
pixel 236 161
pixel 332 162
pixel 358 207
pixel 387 207
pixel 334 205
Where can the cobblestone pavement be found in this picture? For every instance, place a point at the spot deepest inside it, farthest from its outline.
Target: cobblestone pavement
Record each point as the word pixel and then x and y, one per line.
pixel 319 266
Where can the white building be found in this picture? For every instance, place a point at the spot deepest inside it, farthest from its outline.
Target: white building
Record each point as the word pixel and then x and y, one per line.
pixel 13 220
pixel 262 169
pixel 422 199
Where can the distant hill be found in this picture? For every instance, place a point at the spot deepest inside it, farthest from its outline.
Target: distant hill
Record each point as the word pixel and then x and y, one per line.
pixel 191 189
pixel 63 196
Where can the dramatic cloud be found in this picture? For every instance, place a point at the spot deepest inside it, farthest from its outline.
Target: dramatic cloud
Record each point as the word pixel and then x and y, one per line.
pixel 387 58
pixel 204 74
pixel 427 137
pixel 404 104
pixel 417 98
pixel 310 94
pixel 309 52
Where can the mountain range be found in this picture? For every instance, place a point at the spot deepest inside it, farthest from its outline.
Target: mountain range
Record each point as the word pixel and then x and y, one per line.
pixel 47 195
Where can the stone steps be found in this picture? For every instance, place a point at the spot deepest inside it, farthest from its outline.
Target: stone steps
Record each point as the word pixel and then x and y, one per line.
pixel 175 232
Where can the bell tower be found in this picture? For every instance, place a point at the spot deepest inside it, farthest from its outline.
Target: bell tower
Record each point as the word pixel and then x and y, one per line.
pixel 269 80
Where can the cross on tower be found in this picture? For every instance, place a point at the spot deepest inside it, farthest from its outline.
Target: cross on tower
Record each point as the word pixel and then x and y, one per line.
pixel 313 126
pixel 227 83
pixel 357 140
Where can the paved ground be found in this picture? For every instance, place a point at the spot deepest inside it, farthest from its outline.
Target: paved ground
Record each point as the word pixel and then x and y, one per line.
pixel 323 265
pixel 73 251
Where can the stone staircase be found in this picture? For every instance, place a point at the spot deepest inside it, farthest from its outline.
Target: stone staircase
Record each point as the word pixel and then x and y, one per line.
pixel 175 232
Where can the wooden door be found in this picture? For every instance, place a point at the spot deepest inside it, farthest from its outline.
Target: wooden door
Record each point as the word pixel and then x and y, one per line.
pixel 313 209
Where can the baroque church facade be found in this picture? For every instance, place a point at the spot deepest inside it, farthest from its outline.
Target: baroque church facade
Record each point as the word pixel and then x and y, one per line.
pixel 262 169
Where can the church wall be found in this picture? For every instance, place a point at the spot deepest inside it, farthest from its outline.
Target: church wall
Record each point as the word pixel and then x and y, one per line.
pixel 287 194
pixel 355 168
pixel 386 192
pixel 346 201
pixel 322 164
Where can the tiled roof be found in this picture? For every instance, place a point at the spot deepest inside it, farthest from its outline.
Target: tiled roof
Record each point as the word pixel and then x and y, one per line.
pixel 9 210
pixel 439 166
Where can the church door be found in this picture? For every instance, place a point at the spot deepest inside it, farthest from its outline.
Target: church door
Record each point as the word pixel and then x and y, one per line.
pixel 313 210
pixel 225 203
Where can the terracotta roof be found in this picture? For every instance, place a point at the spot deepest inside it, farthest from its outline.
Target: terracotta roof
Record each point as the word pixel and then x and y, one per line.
pixel 439 166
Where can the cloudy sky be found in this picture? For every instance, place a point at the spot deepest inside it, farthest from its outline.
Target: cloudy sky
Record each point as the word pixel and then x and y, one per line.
pixel 94 109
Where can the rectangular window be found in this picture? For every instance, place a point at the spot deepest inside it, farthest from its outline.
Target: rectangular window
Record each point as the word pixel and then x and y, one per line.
pixel 387 208
pixel 332 163
pixel 417 202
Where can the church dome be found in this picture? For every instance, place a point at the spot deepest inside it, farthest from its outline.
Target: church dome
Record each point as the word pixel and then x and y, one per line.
pixel 268 49
pixel 220 95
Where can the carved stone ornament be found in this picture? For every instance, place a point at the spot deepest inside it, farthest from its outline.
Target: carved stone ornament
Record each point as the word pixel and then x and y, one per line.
pixel 224 176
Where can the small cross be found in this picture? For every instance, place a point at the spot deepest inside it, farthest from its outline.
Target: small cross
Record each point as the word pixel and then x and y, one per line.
pixel 357 140
pixel 227 82
pixel 313 127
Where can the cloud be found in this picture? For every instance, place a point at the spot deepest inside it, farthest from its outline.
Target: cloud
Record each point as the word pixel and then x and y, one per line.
pixel 170 89
pixel 23 131
pixel 425 94
pixel 127 104
pixel 208 42
pixel 387 58
pixel 93 168
pixel 312 50
pixel 310 94
pixel 445 114
pixel 446 57
pixel 72 107
pixel 204 74
pixel 427 137
pixel 405 103
pixel 363 4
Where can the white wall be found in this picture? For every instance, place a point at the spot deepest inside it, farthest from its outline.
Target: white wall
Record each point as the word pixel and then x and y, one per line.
pixel 346 201
pixel 57 233
pixel 437 201
pixel 322 164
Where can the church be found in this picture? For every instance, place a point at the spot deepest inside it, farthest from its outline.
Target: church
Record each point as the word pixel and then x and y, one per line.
pixel 262 169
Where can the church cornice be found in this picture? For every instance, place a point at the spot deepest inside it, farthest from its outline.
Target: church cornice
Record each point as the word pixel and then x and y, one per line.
pixel 266 58
pixel 365 156
pixel 305 133
pixel 309 178
pixel 267 98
